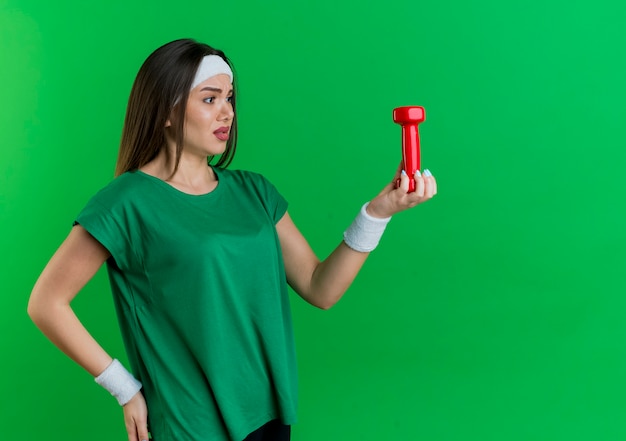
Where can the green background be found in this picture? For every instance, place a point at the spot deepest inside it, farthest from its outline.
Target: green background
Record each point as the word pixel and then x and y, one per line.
pixel 494 312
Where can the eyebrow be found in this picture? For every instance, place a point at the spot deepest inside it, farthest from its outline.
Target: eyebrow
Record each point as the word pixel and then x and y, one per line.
pixel 214 89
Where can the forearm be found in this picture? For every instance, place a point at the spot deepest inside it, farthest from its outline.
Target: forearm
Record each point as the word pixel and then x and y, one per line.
pixel 70 268
pixel 59 323
pixel 332 277
pixel 74 263
pixel 323 283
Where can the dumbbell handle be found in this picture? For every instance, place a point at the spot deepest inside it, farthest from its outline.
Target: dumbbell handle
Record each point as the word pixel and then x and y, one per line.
pixel 409 117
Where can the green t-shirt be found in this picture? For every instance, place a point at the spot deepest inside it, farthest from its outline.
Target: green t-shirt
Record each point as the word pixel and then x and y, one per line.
pixel 200 292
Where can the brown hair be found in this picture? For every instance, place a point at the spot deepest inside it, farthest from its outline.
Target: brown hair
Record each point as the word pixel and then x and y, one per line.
pixel 159 93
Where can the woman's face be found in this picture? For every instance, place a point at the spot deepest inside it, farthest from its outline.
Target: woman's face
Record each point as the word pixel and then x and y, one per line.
pixel 209 116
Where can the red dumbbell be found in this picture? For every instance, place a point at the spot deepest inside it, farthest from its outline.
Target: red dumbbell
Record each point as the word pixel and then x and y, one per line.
pixel 409 118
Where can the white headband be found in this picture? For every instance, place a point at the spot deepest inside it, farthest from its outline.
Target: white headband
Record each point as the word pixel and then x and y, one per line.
pixel 210 66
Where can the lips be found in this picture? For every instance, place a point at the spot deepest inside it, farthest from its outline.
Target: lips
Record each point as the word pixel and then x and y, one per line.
pixel 222 133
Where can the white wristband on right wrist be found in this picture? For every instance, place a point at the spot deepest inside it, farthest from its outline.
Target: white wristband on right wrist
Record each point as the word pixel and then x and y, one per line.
pixel 365 231
pixel 119 382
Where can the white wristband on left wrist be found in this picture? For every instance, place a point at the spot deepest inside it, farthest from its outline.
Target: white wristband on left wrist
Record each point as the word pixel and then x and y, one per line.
pixel 365 231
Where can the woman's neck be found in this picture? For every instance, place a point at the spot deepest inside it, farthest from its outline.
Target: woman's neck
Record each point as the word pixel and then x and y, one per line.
pixel 193 175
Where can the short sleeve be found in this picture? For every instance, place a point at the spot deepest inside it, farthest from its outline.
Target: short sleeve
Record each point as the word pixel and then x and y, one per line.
pixel 102 225
pixel 275 204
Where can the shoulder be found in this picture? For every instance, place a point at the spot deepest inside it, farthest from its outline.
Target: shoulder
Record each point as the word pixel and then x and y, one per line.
pixel 245 179
pixel 125 187
pixel 254 187
pixel 242 176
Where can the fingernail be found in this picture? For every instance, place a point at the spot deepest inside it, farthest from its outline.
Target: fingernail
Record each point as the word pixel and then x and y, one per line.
pixel 427 173
pixel 417 174
pixel 403 173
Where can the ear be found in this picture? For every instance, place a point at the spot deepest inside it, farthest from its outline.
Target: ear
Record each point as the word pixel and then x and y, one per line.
pixel 172 116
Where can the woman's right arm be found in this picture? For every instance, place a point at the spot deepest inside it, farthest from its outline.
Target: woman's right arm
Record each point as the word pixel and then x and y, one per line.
pixel 75 262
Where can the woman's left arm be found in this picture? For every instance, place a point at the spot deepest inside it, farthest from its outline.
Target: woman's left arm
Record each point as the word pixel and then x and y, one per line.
pixel 323 283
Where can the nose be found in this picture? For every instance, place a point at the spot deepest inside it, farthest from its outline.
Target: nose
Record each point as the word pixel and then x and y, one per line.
pixel 226 112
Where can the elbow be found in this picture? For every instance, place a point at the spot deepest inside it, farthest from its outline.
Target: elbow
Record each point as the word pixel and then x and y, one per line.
pixel 35 309
pixel 32 309
pixel 325 298
pixel 325 304
pixel 321 303
pixel 322 297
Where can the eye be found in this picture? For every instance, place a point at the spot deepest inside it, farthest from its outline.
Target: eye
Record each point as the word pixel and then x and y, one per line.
pixel 230 99
pixel 209 100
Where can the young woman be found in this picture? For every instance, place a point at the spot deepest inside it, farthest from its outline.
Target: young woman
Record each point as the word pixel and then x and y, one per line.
pixel 199 258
